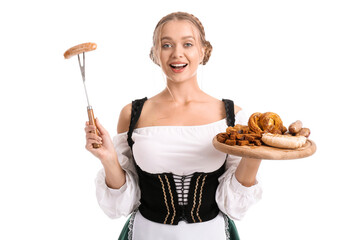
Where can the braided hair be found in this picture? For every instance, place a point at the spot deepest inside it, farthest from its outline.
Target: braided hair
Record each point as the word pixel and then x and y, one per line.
pixel 181 16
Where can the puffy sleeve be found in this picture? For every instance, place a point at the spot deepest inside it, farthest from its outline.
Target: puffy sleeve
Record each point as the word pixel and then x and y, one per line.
pixel 232 197
pixel 119 202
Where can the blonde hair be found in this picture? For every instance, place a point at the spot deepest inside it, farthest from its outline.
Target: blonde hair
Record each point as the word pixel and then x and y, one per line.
pixel 180 16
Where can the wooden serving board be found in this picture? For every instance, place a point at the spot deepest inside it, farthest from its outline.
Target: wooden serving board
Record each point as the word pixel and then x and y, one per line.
pixel 267 152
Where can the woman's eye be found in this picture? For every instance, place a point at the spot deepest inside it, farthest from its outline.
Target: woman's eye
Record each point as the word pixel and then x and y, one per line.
pixel 188 44
pixel 166 45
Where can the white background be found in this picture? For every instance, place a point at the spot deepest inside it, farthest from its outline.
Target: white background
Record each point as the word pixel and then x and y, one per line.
pixel 299 59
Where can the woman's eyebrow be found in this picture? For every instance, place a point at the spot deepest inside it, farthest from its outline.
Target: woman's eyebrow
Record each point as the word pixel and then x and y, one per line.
pixel 188 37
pixel 169 38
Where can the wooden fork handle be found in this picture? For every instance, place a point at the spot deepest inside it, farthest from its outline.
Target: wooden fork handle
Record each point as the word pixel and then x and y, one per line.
pixel 92 122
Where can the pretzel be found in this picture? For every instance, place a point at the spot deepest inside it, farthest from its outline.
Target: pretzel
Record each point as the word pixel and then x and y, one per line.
pixel 254 123
pixel 271 122
pixel 266 122
pixel 84 47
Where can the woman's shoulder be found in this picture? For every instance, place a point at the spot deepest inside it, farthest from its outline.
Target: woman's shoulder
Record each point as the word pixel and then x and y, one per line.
pixel 124 119
pixel 237 108
pixel 220 103
pixel 125 116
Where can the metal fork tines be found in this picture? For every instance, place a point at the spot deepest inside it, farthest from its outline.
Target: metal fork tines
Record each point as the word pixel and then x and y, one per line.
pixel 82 69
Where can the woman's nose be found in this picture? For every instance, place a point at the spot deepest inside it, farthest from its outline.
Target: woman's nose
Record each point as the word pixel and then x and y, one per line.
pixel 178 51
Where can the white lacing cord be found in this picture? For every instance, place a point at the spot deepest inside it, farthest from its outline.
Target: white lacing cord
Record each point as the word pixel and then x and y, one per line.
pixel 182 184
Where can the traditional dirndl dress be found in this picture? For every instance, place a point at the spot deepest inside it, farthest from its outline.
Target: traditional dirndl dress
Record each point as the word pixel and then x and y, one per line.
pixel 186 181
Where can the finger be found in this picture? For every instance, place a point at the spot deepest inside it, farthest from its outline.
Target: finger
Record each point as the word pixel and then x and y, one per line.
pixel 95 141
pixel 89 146
pixel 100 127
pixel 93 136
pixel 90 128
pixel 90 142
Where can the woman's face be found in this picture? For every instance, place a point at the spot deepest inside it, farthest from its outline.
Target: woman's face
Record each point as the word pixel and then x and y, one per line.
pixel 180 51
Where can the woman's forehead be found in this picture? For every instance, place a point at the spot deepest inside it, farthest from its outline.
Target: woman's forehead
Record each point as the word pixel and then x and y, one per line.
pixel 176 29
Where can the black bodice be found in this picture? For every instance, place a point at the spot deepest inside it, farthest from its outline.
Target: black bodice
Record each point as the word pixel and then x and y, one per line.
pixel 159 198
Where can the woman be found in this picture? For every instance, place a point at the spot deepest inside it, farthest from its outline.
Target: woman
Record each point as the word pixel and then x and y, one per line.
pixel 162 166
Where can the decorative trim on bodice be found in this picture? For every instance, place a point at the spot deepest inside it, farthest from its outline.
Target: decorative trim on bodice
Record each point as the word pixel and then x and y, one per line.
pixel 160 200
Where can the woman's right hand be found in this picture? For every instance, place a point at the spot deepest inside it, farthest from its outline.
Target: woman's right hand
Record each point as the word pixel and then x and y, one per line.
pixel 106 153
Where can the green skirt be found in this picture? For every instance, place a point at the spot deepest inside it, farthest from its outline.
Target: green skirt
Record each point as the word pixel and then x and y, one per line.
pixel 231 231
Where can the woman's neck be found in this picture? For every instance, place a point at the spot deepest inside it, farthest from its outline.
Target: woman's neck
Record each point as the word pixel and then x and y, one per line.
pixel 184 92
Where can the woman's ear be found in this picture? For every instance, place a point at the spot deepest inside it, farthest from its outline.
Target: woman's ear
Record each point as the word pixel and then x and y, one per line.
pixel 202 55
pixel 154 56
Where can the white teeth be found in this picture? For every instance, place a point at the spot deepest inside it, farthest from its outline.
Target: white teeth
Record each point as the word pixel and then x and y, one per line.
pixel 178 65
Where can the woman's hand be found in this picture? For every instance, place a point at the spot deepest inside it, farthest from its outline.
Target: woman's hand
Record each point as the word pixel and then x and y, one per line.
pixel 106 153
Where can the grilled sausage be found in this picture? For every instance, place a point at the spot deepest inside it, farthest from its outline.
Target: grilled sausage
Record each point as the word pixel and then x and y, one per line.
pixel 295 127
pixel 84 47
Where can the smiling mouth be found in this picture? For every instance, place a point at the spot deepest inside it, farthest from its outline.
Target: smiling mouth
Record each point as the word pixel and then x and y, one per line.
pixel 178 66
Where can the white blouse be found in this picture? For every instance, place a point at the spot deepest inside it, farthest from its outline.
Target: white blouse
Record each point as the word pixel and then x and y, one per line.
pixel 181 150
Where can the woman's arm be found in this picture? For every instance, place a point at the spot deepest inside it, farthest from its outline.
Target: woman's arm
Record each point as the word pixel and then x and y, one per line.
pixel 116 202
pixel 115 175
pixel 246 171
